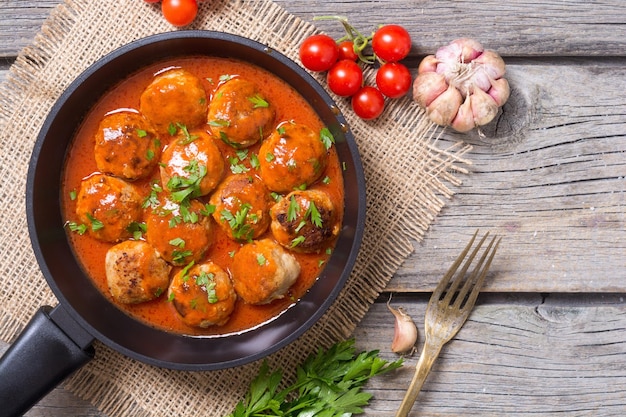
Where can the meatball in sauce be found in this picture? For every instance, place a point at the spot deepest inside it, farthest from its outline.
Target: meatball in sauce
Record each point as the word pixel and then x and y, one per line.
pixel 108 206
pixel 305 221
pixel 203 295
pixel 242 204
pixel 126 145
pixel 293 156
pixel 263 271
pixel 192 157
pixel 135 272
pixel 180 232
pixel 239 114
pixel 174 98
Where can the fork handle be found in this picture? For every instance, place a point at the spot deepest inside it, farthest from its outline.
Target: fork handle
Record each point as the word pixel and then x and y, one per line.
pixel 422 369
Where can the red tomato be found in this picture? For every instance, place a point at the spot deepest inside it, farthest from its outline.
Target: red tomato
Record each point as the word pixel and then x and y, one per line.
pixel 391 43
pixel 346 51
pixel 368 103
pixel 179 12
pixel 345 78
pixel 393 79
pixel 318 52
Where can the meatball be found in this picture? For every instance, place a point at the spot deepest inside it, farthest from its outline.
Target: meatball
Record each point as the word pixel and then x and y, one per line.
pixel 203 296
pixel 238 114
pixel 135 272
pixel 263 271
pixel 194 158
pixel 108 206
pixel 180 232
pixel 126 146
pixel 242 204
pixel 293 156
pixel 174 97
pixel 305 221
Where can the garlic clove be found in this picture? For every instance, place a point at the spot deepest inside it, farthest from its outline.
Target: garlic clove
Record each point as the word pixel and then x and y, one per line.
pixel 464 119
pixel 484 108
pixel 461 50
pixel 427 87
pixel 405 331
pixel 499 91
pixel 492 64
pixel 443 109
pixel 428 64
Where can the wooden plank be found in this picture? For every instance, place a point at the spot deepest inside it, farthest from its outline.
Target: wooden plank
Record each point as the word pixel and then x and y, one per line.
pixel 554 168
pixel 526 357
pixel 515 28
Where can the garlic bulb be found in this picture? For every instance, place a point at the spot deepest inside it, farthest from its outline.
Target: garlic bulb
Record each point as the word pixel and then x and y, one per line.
pixel 405 331
pixel 462 85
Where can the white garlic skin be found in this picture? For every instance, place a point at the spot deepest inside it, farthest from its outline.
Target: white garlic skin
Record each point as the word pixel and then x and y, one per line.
pixel 455 72
pixel 405 332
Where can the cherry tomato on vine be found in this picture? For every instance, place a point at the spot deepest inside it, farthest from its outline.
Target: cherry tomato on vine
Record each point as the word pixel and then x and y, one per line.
pixel 391 43
pixel 393 79
pixel 345 78
pixel 179 12
pixel 346 51
pixel 318 52
pixel 368 103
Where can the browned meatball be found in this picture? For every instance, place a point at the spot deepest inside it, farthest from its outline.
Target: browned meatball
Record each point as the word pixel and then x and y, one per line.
pixel 180 232
pixel 192 158
pixel 108 206
pixel 135 272
pixel 126 146
pixel 293 156
pixel 203 296
pixel 239 115
pixel 305 221
pixel 242 204
pixel 174 97
pixel 263 271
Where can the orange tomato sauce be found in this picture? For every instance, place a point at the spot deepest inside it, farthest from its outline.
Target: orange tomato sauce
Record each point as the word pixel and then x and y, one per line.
pixel 80 163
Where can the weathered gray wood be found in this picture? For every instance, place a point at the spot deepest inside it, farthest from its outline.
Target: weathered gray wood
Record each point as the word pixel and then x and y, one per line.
pixel 518 358
pixel 554 169
pixel 516 28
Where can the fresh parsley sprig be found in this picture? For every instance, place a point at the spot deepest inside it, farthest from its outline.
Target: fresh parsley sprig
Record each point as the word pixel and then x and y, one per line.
pixel 328 384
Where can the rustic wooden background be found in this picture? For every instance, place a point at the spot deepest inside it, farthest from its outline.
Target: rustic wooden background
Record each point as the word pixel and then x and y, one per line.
pixel 547 336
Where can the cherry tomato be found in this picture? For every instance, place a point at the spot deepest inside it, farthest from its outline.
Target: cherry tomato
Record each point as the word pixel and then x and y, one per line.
pixel 346 51
pixel 393 79
pixel 368 103
pixel 345 78
pixel 391 43
pixel 179 12
pixel 318 52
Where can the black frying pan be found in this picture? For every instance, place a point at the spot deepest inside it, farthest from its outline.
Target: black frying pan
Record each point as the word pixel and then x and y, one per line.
pixel 58 340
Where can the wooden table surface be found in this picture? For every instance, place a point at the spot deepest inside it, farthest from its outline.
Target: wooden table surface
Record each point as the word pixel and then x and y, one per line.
pixel 547 336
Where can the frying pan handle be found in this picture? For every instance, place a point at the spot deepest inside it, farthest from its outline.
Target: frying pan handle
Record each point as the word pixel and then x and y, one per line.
pixel 49 349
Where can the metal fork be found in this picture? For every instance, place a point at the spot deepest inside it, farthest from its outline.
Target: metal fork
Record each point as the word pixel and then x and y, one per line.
pixel 447 310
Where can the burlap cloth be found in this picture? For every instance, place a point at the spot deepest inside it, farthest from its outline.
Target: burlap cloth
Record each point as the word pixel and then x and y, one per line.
pixel 408 173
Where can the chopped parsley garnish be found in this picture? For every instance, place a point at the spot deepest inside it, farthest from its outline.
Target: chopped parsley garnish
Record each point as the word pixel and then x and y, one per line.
pixel 95 223
pixel 326 180
pixel 297 241
pixel 219 123
pixel 187 137
pixel 258 101
pixel 327 138
pixel 293 209
pixel 137 229
pixel 314 215
pixel 254 161
pixel 141 133
pixel 237 222
pixel 73 195
pixel 260 259
pixel 178 256
pixel 178 242
pixel 185 188
pixel 269 157
pixel 207 210
pixel 236 167
pixel 152 200
pixel 78 228
pixel 207 280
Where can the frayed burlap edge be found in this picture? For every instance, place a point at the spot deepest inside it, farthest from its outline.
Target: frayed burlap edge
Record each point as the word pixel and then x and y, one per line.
pixel 408 170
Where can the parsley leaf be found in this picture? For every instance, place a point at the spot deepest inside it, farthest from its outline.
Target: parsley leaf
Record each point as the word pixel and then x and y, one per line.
pixel 327 138
pixel 328 384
